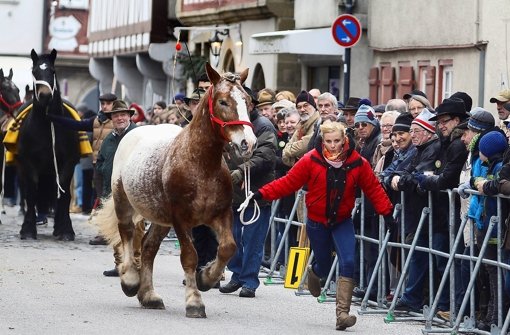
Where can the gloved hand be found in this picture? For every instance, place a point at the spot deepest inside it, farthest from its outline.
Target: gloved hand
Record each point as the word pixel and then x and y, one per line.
pixel 420 177
pixel 462 190
pixel 389 222
pixel 237 177
pixel 257 195
pixel 394 182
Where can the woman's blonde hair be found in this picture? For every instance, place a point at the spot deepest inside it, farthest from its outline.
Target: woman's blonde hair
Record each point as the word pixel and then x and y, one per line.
pixel 331 126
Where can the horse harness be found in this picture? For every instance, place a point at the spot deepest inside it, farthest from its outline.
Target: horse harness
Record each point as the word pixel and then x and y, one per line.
pixel 10 108
pixel 335 186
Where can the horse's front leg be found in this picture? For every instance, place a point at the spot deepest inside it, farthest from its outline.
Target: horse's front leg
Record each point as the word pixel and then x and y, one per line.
pixel 28 228
pixel 211 274
pixel 150 246
pixel 189 259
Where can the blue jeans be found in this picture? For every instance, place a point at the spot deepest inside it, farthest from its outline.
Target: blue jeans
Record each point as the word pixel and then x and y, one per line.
pixel 324 240
pixel 245 264
pixel 418 270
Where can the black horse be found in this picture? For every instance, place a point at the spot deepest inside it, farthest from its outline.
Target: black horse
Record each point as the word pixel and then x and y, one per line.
pixel 9 94
pixel 46 153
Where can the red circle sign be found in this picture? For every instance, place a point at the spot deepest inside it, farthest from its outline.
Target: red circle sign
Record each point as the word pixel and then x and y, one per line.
pixel 346 30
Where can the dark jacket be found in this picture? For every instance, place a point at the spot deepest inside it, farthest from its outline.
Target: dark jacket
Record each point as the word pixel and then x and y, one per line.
pixel 415 200
pixel 262 161
pixel 104 163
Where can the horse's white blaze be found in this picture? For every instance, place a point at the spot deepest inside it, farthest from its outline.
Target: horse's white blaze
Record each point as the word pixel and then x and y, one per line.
pixel 242 111
pixel 43 66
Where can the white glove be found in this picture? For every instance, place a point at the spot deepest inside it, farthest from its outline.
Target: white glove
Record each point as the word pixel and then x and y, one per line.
pixel 394 182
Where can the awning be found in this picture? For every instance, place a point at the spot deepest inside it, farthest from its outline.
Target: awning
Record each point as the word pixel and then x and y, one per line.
pixel 305 42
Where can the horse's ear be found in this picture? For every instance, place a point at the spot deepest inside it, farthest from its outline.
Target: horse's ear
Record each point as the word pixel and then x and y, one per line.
pixel 10 74
pixel 27 89
pixel 34 56
pixel 2 74
pixel 244 75
pixel 213 76
pixel 53 55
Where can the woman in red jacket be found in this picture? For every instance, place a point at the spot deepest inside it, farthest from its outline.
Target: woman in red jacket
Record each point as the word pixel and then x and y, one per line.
pixel 332 172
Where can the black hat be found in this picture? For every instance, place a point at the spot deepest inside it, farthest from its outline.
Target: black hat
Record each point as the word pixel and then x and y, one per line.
pixel 252 95
pixel 380 108
pixel 453 107
pixel 468 102
pixel 403 122
pixel 352 104
pixel 197 94
pixel 108 97
pixel 307 97
pixel 119 106
pixel 414 92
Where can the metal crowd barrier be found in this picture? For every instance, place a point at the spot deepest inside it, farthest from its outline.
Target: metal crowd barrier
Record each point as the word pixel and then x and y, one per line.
pixel 432 324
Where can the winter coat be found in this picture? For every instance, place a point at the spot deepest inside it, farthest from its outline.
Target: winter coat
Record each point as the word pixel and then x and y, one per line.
pixel 415 200
pixel 104 163
pixel 261 163
pixel 324 186
pixel 298 143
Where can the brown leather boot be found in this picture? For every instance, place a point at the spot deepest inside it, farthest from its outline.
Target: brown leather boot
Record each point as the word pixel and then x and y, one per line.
pixel 344 287
pixel 314 283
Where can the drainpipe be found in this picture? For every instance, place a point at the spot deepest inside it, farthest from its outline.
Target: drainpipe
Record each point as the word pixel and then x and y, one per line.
pixel 483 51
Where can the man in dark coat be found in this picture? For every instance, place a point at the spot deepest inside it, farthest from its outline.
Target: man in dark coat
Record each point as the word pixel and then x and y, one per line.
pixel 250 238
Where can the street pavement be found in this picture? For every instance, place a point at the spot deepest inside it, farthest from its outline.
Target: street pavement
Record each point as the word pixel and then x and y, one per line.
pixel 54 287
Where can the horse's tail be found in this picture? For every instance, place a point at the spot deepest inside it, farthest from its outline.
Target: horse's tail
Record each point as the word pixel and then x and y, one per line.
pixel 106 221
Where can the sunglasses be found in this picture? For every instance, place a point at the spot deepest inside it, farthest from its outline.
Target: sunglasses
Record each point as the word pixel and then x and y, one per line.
pixel 360 124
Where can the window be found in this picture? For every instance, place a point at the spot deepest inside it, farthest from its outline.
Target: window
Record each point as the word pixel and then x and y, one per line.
pixel 445 79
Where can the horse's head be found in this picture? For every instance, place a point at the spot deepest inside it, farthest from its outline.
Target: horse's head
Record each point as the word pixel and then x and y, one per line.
pixel 43 75
pixel 228 107
pixel 9 93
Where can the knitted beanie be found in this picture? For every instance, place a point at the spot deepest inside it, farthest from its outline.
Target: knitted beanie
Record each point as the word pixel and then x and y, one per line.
pixel 307 97
pixel 493 143
pixel 403 122
pixel 366 114
pixel 423 120
pixel 480 120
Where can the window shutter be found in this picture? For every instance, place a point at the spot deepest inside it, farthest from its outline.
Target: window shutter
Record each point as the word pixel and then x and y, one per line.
pixel 373 82
pixel 387 83
pixel 405 80
pixel 430 83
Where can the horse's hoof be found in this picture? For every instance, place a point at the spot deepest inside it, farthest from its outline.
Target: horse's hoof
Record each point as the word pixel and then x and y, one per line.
pixel 195 312
pixel 203 287
pixel 28 236
pixel 129 290
pixel 153 303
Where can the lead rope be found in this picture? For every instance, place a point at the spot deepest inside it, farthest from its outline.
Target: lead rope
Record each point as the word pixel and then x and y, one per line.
pixel 59 188
pixel 3 184
pixel 248 194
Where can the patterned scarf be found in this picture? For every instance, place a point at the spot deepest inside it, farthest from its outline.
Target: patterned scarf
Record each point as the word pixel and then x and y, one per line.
pixel 336 160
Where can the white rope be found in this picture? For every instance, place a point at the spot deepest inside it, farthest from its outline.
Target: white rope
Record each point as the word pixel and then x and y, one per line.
pixel 249 195
pixel 59 188
pixel 3 184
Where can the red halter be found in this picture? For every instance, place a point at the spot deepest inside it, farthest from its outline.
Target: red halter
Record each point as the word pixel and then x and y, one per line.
pixel 219 121
pixel 10 108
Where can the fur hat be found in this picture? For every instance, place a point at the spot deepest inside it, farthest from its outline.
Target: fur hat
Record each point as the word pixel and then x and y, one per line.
pixel 307 97
pixel 403 122
pixel 453 107
pixel 468 102
pixel 480 120
pixel 423 120
pixel 493 143
pixel 366 114
pixel 119 106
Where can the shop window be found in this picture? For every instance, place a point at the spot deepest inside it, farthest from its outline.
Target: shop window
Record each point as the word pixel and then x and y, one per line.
pixel 445 79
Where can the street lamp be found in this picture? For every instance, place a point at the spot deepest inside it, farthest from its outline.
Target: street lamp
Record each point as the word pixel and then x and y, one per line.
pixel 216 42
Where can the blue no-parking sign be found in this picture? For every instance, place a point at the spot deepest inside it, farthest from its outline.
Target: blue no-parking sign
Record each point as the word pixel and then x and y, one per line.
pixel 346 30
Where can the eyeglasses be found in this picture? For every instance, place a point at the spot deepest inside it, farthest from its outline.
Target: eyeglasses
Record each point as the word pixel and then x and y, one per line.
pixel 417 108
pixel 443 122
pixel 386 125
pixel 416 131
pixel 362 124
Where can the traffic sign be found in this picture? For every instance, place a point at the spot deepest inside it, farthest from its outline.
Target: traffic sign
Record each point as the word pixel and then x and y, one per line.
pixel 346 30
pixel 297 262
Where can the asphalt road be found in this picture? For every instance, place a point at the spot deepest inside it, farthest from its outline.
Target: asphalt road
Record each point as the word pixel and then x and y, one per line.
pixel 53 287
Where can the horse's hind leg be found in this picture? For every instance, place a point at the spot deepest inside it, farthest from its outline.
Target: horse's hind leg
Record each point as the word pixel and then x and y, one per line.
pixel 194 305
pixel 150 246
pixel 212 273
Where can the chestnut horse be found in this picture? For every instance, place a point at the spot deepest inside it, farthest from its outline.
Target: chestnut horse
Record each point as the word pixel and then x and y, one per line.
pixel 175 177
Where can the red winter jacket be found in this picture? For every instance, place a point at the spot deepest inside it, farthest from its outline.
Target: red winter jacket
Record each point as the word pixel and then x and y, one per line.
pixel 311 170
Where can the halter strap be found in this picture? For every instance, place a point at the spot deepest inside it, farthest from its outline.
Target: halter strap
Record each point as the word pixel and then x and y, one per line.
pixel 45 83
pixel 10 107
pixel 223 124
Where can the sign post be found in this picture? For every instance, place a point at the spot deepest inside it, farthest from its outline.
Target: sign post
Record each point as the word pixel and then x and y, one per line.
pixel 346 30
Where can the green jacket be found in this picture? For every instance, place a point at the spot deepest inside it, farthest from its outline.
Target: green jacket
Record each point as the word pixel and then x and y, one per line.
pixel 104 163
